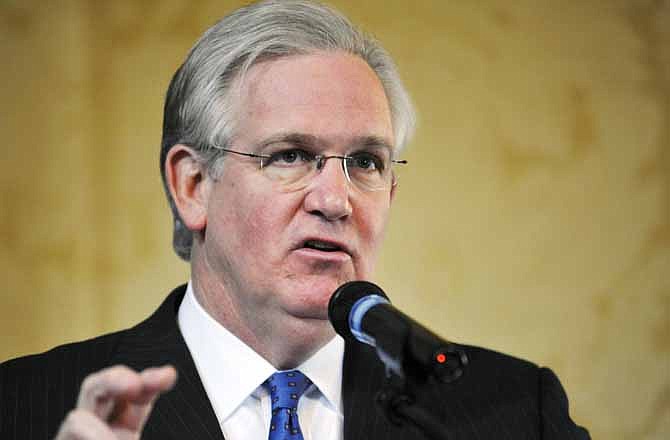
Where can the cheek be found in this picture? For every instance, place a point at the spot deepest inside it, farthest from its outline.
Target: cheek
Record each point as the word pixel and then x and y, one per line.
pixel 259 221
pixel 372 229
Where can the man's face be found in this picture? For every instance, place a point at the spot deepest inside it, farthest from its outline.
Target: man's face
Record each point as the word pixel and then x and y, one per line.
pixel 280 254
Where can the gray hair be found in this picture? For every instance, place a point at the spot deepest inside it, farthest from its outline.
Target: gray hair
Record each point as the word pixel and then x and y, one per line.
pixel 199 103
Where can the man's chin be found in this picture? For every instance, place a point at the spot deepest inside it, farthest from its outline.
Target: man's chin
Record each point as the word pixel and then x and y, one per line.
pixel 309 308
pixel 307 296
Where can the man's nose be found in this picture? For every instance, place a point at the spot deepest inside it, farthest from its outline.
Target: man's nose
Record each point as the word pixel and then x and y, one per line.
pixel 328 192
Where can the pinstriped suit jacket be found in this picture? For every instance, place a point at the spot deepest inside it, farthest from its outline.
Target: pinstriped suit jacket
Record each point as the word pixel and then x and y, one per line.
pixel 498 397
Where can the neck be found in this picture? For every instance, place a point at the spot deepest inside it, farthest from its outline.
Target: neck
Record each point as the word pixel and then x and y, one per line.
pixel 284 341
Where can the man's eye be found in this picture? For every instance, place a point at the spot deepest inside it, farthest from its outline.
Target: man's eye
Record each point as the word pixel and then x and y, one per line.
pixel 367 161
pixel 289 157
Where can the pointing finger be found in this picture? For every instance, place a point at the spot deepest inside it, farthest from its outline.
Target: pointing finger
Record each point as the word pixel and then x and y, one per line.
pixel 103 391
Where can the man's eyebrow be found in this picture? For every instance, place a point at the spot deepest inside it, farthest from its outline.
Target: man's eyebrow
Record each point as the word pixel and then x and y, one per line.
pixel 294 138
pixel 308 140
pixel 372 142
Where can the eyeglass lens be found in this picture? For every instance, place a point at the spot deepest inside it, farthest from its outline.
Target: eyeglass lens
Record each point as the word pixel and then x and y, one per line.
pixel 367 173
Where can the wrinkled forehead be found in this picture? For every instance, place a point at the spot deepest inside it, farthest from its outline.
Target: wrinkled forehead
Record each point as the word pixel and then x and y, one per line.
pixel 331 96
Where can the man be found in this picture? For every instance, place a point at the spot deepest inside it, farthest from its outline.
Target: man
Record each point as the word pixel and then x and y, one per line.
pixel 281 130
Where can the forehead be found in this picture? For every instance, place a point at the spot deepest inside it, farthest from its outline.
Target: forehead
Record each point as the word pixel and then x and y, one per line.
pixel 332 96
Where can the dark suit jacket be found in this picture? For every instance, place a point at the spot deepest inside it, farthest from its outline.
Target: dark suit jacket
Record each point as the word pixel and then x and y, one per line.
pixel 498 397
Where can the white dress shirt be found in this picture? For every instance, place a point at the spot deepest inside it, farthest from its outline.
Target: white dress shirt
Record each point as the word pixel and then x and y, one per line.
pixel 232 374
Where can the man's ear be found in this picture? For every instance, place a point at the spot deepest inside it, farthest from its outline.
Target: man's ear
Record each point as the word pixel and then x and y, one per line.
pixel 188 184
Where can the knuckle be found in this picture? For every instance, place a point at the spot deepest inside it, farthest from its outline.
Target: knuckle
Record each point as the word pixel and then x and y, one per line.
pixel 118 369
pixel 101 379
pixel 88 382
pixel 117 372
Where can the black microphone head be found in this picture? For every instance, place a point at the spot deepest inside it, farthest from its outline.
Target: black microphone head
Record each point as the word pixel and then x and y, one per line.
pixel 343 300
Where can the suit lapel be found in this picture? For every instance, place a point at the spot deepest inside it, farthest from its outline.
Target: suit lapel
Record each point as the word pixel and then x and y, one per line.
pixel 185 411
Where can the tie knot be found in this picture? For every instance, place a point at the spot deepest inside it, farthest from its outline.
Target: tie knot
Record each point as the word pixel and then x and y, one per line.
pixel 286 387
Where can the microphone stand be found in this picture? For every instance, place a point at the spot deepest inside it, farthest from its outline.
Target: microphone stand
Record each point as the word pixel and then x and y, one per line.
pixel 397 402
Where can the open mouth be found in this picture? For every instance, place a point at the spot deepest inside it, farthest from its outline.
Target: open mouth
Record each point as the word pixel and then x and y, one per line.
pixel 323 246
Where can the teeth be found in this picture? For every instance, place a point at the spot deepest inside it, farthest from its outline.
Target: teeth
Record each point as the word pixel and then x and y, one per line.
pixel 321 246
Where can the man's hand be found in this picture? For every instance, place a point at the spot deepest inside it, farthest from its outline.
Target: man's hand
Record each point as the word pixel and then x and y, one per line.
pixel 115 403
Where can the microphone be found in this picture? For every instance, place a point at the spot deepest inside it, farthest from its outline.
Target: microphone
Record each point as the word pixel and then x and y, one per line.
pixel 361 311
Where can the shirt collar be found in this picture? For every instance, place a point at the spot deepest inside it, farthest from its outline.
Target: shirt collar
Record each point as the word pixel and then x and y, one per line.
pixel 230 370
pixel 324 369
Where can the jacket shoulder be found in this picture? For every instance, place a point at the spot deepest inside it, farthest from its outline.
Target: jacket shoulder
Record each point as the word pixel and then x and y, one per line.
pixel 75 356
pixel 529 397
pixel 37 391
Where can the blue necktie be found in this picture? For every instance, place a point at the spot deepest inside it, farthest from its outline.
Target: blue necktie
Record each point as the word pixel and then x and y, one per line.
pixel 285 390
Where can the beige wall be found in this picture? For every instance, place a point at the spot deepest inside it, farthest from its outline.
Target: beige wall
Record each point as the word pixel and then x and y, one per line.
pixel 534 217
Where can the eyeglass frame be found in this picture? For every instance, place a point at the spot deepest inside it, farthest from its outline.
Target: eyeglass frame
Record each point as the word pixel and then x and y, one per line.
pixel 320 160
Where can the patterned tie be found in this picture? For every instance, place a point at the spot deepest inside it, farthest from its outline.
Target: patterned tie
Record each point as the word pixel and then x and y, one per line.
pixel 285 390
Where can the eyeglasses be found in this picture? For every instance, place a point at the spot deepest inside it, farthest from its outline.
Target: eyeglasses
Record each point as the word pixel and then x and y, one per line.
pixel 294 168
